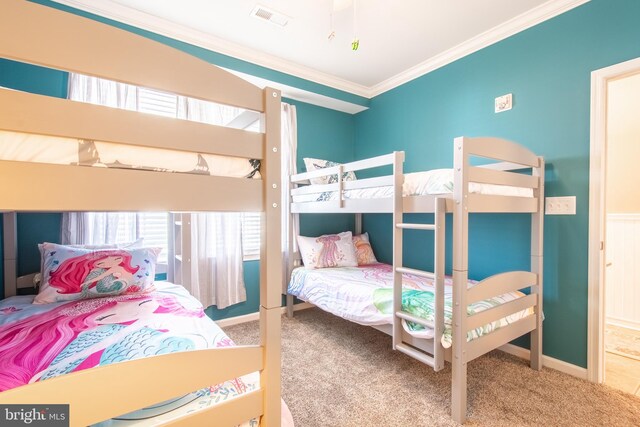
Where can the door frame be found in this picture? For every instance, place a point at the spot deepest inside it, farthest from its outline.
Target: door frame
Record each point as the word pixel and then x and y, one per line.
pixel 597 212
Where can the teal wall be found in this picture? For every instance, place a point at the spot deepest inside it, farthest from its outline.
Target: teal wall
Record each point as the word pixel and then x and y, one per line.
pixel 30 78
pixel 547 68
pixel 34 228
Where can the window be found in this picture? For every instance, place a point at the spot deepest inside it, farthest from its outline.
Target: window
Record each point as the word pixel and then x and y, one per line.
pixel 251 235
pixel 153 226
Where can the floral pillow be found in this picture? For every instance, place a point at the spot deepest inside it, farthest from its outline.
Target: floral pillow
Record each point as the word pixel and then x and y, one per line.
pixel 71 273
pixel 315 164
pixel 329 250
pixel 364 252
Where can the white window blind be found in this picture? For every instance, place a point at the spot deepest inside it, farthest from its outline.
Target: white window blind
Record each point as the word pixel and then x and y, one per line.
pixel 251 235
pixel 156 102
pixel 152 226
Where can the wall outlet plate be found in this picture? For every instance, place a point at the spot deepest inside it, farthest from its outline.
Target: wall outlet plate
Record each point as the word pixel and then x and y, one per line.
pixel 560 205
pixel 504 103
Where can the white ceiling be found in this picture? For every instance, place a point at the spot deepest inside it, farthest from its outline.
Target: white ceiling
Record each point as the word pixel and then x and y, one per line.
pixel 399 40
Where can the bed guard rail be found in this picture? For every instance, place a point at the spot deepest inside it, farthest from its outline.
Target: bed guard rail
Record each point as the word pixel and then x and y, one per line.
pixel 334 175
pixel 79 389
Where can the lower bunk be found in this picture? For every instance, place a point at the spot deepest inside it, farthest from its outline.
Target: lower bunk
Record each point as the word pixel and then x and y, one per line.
pixel 42 343
pixel 497 313
pixel 364 295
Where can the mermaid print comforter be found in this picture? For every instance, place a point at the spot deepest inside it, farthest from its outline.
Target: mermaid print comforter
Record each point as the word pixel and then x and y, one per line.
pixel 364 295
pixel 42 341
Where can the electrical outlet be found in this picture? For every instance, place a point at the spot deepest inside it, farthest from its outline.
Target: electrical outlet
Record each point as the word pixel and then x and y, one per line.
pixel 560 205
pixel 504 103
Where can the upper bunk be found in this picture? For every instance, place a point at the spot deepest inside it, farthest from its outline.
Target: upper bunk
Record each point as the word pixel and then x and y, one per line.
pixel 510 180
pixel 47 37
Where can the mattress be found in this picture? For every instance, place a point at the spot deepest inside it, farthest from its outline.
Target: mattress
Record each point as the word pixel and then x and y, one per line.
pixel 26 147
pixel 41 341
pixel 364 295
pixel 432 182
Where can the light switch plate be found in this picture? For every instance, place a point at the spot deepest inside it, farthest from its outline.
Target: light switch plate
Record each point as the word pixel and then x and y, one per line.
pixel 560 205
pixel 504 103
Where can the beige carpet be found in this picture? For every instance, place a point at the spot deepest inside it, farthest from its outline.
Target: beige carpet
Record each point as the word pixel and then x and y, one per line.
pixel 336 373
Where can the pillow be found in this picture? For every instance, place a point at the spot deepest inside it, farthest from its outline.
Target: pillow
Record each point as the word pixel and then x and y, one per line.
pixel 329 250
pixel 76 273
pixel 364 252
pixel 315 164
pixel 128 245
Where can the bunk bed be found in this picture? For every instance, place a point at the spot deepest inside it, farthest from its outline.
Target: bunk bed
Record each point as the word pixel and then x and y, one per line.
pixel 509 179
pixel 43 36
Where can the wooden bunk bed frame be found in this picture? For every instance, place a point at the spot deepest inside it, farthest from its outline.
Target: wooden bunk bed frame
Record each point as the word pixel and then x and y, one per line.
pixel 47 37
pixel 506 157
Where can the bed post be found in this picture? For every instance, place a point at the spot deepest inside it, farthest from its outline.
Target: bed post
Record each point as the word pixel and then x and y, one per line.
pixel 271 262
pixel 398 180
pixel 357 225
pixel 291 261
pixel 537 236
pixel 9 226
pixel 460 276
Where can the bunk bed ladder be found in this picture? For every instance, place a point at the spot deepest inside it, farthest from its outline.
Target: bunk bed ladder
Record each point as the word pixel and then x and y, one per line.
pixel 436 361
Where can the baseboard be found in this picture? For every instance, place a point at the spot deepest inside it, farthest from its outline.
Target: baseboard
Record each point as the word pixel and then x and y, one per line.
pixel 549 362
pixel 223 323
pixel 622 323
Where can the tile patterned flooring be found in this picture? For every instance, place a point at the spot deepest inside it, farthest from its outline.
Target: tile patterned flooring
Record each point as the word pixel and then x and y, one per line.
pixel 623 373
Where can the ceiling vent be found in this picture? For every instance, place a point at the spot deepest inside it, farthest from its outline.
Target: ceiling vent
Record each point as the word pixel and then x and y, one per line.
pixel 265 14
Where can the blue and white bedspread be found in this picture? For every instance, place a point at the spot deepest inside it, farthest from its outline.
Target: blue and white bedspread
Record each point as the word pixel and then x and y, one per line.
pixel 364 295
pixel 41 341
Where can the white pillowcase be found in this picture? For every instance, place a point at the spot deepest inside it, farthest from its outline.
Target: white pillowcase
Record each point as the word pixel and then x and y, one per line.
pixel 329 250
pixel 315 164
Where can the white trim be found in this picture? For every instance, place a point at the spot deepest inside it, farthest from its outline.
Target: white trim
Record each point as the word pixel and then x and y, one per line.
pixel 237 320
pixel 623 216
pixel 597 210
pixel 142 20
pixel 549 362
pixel 622 323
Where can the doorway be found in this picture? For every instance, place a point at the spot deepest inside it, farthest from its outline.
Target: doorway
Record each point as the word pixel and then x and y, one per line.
pixel 614 228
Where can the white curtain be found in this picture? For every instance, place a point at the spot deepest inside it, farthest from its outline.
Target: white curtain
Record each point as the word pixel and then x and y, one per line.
pixel 97 228
pixel 217 276
pixel 216 250
pixel 89 228
pixel 102 92
pixel 217 269
pixel 290 223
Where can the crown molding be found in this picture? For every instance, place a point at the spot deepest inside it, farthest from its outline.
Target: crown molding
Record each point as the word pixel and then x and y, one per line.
pixel 117 12
pixel 533 17
pixel 145 21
